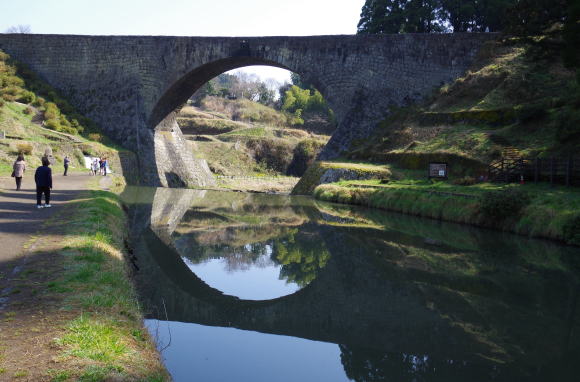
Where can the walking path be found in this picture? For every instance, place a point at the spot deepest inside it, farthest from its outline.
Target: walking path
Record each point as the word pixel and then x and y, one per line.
pixel 19 217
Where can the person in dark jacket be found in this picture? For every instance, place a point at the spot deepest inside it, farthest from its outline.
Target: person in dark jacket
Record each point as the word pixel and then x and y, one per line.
pixel 66 163
pixel 43 179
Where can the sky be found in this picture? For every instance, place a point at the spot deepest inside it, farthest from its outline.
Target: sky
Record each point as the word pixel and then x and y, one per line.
pixel 186 18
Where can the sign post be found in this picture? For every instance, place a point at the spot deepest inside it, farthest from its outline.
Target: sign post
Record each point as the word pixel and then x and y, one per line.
pixel 437 170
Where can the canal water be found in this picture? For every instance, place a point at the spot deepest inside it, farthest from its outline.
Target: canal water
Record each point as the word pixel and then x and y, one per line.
pixel 255 287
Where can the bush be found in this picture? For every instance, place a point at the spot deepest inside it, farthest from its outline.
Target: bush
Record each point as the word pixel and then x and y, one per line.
pixel 499 205
pixel 465 181
pixel 276 154
pixel 304 154
pixel 572 231
pixel 52 124
pixel 96 137
pixel 24 148
pixel 51 111
pixel 39 101
pixel 568 124
pixel 28 111
pixel 26 97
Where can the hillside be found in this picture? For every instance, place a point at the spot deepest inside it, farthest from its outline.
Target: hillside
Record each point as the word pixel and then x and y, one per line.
pixel 518 96
pixel 245 138
pixel 34 118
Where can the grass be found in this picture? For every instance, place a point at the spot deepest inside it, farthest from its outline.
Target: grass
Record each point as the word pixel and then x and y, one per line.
pixel 548 214
pixel 106 337
pixel 317 170
pixel 511 93
pixel 253 132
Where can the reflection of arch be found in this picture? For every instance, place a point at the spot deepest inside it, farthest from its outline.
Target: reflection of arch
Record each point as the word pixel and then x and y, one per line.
pixel 169 260
pixel 331 308
pixel 362 301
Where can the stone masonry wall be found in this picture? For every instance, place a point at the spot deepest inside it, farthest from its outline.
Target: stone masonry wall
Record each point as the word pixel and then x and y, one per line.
pixel 130 85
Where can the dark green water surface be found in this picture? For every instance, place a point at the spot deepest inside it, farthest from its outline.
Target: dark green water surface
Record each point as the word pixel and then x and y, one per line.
pixel 254 287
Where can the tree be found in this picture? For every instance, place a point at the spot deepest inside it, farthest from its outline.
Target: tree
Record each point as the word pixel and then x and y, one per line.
pixel 400 16
pixel 528 17
pixel 435 16
pixel 19 29
pixel 572 37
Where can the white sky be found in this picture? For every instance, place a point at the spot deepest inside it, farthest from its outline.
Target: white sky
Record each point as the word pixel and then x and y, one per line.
pixel 186 18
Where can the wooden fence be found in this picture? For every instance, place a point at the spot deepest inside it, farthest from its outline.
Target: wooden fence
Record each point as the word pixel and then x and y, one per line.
pixel 555 170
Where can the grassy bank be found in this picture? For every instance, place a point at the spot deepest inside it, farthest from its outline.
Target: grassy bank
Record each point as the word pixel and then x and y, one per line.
pixel 534 210
pixel 76 290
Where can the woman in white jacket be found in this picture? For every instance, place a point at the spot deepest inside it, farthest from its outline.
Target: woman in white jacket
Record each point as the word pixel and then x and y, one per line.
pixel 18 168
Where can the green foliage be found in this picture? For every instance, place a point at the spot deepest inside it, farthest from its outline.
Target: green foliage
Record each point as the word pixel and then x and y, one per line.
pixel 304 154
pixel 523 17
pixel 572 231
pixel 502 204
pixel 302 257
pixel 567 123
pixel 26 96
pixel 465 181
pixel 572 37
pixel 532 17
pixel 276 154
pixel 296 101
pixel 96 137
pixel 19 83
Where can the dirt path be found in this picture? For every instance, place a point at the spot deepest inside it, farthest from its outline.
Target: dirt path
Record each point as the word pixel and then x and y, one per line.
pixel 19 217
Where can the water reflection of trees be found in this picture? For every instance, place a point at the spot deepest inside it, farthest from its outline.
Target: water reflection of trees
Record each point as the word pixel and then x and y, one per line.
pixel 301 254
pixel 299 251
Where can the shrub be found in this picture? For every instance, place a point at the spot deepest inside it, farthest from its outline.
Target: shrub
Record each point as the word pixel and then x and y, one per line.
pixel 28 111
pixel 465 181
pixel 39 101
pixel 26 97
pixel 304 154
pixel 52 124
pixel 276 154
pixel 533 112
pixel 8 97
pixel 499 205
pixel 572 231
pixel 51 111
pixel 568 124
pixel 24 148
pixel 95 137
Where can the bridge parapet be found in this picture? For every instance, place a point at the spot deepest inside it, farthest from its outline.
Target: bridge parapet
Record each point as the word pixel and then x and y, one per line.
pixel 131 85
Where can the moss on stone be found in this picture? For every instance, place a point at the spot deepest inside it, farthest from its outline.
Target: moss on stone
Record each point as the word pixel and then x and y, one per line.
pixel 316 172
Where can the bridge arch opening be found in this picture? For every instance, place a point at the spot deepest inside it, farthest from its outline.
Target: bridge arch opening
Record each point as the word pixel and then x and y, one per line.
pixel 294 115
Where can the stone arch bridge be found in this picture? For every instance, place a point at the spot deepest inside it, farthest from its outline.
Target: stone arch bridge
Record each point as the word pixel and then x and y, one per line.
pixel 132 86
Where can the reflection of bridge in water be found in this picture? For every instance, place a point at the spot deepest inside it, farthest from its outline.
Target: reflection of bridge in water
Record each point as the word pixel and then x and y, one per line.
pixel 364 299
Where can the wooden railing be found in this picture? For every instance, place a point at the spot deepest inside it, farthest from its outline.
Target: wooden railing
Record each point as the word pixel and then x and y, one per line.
pixel 556 170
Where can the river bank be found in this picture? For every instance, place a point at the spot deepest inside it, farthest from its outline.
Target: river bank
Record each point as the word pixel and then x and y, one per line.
pixel 69 309
pixel 532 210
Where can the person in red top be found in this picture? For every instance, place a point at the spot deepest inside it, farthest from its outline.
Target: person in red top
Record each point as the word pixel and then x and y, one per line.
pixel 43 179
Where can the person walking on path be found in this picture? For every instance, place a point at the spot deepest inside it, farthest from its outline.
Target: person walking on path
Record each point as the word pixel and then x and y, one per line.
pixel 18 169
pixel 105 163
pixel 95 166
pixel 66 163
pixel 43 179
